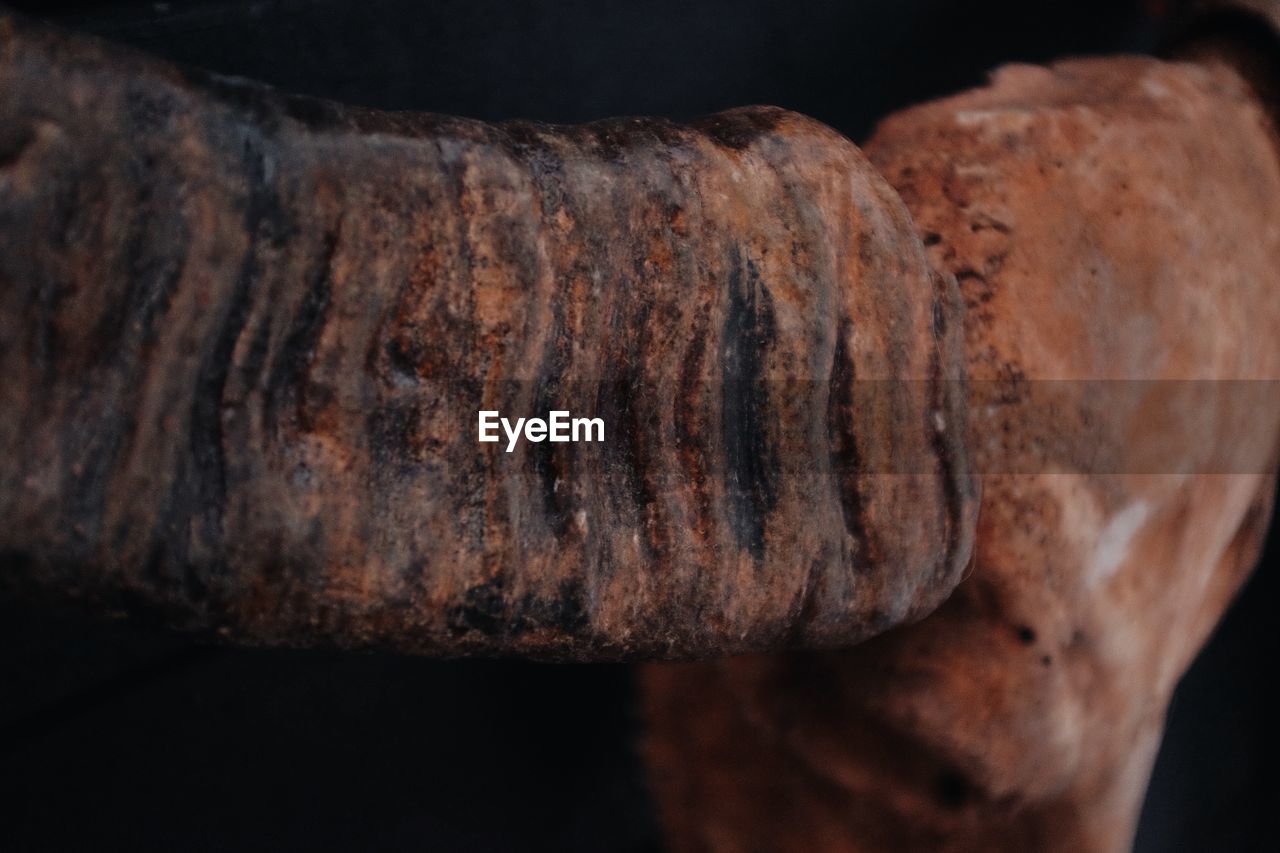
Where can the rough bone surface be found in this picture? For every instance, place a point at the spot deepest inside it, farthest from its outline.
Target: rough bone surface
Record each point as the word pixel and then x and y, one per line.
pixel 1098 232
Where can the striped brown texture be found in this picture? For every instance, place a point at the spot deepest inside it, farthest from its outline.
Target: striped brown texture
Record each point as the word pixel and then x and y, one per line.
pixel 245 338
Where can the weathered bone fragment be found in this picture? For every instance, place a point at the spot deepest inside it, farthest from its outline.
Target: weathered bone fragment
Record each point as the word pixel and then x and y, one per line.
pixel 1107 220
pixel 245 339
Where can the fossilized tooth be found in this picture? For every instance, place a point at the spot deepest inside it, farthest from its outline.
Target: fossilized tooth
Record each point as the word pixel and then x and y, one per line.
pixel 1111 219
pixel 246 338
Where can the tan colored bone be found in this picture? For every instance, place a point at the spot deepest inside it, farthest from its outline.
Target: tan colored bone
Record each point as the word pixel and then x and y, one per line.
pixel 1107 219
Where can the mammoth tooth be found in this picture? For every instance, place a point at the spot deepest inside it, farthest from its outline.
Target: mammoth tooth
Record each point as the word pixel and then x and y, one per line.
pixel 247 338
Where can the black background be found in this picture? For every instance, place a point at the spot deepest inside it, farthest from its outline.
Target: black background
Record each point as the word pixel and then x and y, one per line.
pixel 116 735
